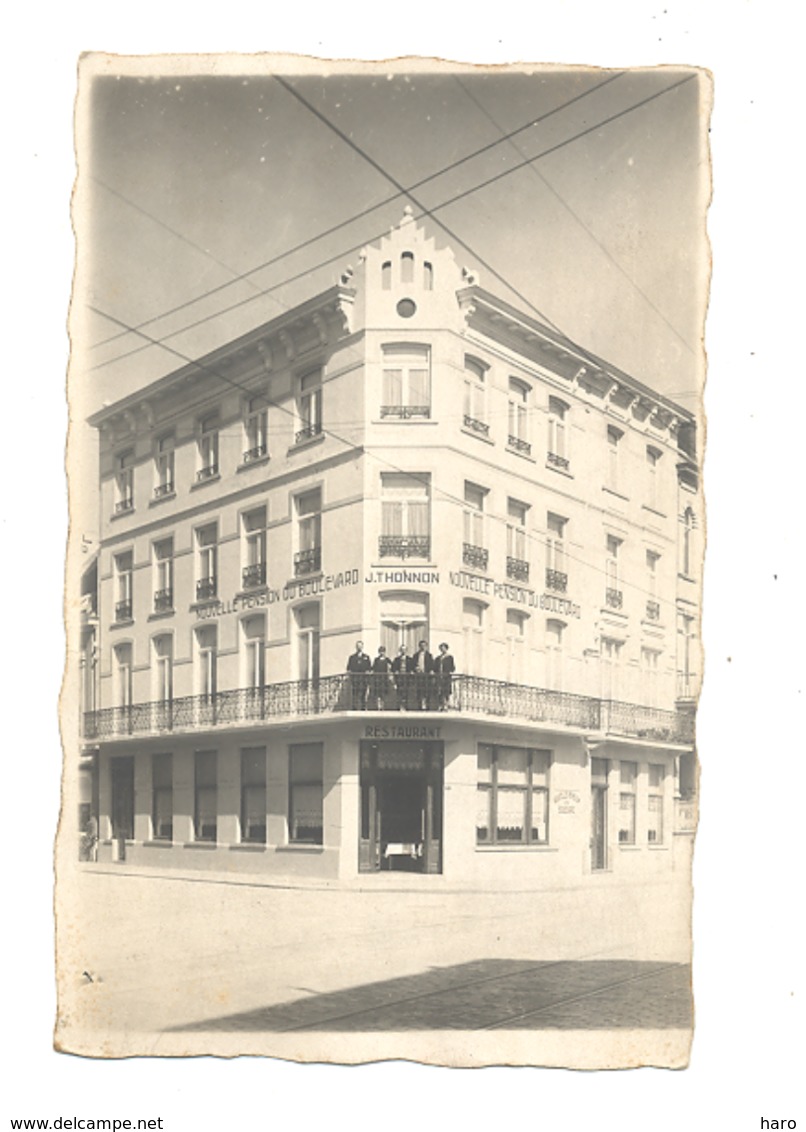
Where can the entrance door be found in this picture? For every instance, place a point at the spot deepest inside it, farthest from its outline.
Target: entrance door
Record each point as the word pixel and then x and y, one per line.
pixel 599 768
pixel 122 801
pixel 401 807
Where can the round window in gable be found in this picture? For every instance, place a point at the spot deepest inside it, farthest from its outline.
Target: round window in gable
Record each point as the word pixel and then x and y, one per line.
pixel 406 308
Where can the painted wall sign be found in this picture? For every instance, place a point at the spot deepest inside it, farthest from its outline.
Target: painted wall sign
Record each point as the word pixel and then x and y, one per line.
pixel 567 801
pixel 516 595
pixel 402 731
pixel 299 587
pixel 410 577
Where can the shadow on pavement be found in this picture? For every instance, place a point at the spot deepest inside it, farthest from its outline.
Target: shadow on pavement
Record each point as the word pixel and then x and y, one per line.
pixel 490 994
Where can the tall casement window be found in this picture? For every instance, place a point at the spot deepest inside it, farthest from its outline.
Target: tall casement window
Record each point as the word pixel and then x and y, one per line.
pixel 557 454
pixel 305 793
pixel 207 562
pixel 555 634
pixel 124 566
pixel 474 552
pixel 386 276
pixel 205 815
pixel 162 668
pixel 614 439
pixel 208 448
pixel 611 650
pixel 614 598
pixel 253 795
pixel 256 429
pixel 653 458
pixel 309 406
pixel 122 675
pixel 517 554
pixel 686 543
pixel 686 678
pixel 253 541
pixel 407 267
pixel 650 668
pixel 518 416
pixel 516 645
pixel 253 653
pixel 556 569
pixel 428 276
pixel 654 825
pixel 162 797
pixel 406 381
pixel 473 614
pixel 404 621
pixel 405 515
pixel 207 662
pixel 628 776
pixel 652 603
pixel 164 458
pixel 124 482
pixel 307 623
pixel 308 556
pixel 512 796
pixel 475 405
pixel 164 575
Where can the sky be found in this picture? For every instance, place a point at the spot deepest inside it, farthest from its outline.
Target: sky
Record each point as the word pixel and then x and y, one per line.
pixel 200 189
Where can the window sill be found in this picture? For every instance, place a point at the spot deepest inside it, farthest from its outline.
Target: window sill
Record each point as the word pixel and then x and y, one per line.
pixel 408 421
pixel 308 442
pixel 200 845
pixel 122 624
pixel 258 463
pixel 163 613
pixel 658 848
pixel 609 609
pixel 618 494
pixel 113 518
pixel 300 848
pixel 300 579
pixel 685 577
pixel 253 591
pixel 654 511
pixel 629 848
pixel 477 436
pixel 157 499
pixel 199 484
pixel 158 843
pixel 393 563
pixel 647 624
pixel 521 455
pixel 559 471
pixel 516 849
pixel 247 847
pixel 195 606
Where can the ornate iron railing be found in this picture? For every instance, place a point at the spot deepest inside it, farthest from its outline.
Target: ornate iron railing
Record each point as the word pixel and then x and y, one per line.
pixel 256 453
pixel 124 505
pixel 653 610
pixel 467 695
pixel 254 575
pixel 556 580
pixel 307 433
pixel 308 561
pixel 123 610
pixel 206 588
pixel 404 546
pixel 163 489
pixel 163 600
pixel 520 445
pixel 558 461
pixel 476 556
pixel 476 425
pixel 614 598
pixel 406 412
pixel 206 473
pixel 517 569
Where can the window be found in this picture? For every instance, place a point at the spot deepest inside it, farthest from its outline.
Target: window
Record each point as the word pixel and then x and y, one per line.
pixel 556 575
pixel 309 406
pixel 124 482
pixel 614 437
pixel 253 795
pixel 473 552
pixel 123 675
pixel 164 575
pixel 386 276
pixel 555 632
pixel 652 604
pixel 407 267
pixel 475 403
pixel 654 828
pixel 685 648
pixel 308 558
pixel 405 516
pixel 256 429
pixel 512 795
pixel 611 667
pixel 473 632
pixel 687 560
pixel 164 466
pixel 516 639
pixel 162 797
pixel 517 558
pixel 517 419
pixel 253 530
pixel 558 441
pixel 406 391
pixel 653 456
pixel 404 621
pixel 208 448
pixel 305 793
pixel 650 664
pixel 162 668
pixel 124 565
pixel 626 816
pixel 207 662
pixel 253 653
pixel 613 595
pixel 207 562
pixel 428 276
pixel 307 624
pixel 205 812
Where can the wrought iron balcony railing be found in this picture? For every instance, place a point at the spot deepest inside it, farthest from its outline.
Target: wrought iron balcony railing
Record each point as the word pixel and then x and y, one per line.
pixel 518 569
pixel 476 556
pixel 520 445
pixel 124 505
pixel 123 610
pixel 163 600
pixel 653 610
pixel 556 580
pixel 254 575
pixel 470 695
pixel 163 489
pixel 614 598
pixel 256 453
pixel 308 561
pixel 558 461
pixel 404 546
pixel 206 473
pixel 475 425
pixel 406 412
pixel 206 588
pixel 307 433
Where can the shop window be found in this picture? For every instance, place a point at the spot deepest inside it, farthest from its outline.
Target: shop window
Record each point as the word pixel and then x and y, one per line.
pixel 628 775
pixel 205 822
pixel 306 793
pixel 406 382
pixel 162 797
pixel 253 795
pixel 512 796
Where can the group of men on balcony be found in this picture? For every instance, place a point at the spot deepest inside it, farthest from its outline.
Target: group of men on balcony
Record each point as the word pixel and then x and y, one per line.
pixel 408 683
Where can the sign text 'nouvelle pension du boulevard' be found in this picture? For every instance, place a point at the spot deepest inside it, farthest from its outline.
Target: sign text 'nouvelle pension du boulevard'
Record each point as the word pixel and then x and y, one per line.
pixel 326 583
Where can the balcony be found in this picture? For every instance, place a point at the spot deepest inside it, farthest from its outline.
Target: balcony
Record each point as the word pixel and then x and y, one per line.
pixel 330 695
pixel 206 588
pixel 163 489
pixel 406 412
pixel 256 453
pixel 308 561
pixel 481 427
pixel 518 445
pixel 254 575
pixel 123 610
pixel 307 433
pixel 517 569
pixel 653 610
pixel 163 600
pixel 557 581
pixel 614 599
pixel 124 505
pixel 206 473
pixel 404 546
pixel 558 461
pixel 475 556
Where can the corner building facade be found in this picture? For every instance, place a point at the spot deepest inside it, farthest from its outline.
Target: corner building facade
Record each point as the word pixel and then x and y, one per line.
pixel 405 457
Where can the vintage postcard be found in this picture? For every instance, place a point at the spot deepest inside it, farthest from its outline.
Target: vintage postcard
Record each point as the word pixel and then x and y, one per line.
pixel 384 579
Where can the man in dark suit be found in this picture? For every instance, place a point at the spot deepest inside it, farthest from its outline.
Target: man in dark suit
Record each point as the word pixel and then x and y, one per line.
pixel 401 674
pixel 444 667
pixel 359 666
pixel 422 667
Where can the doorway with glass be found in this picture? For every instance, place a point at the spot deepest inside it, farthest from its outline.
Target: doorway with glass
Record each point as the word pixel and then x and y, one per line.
pixel 401 807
